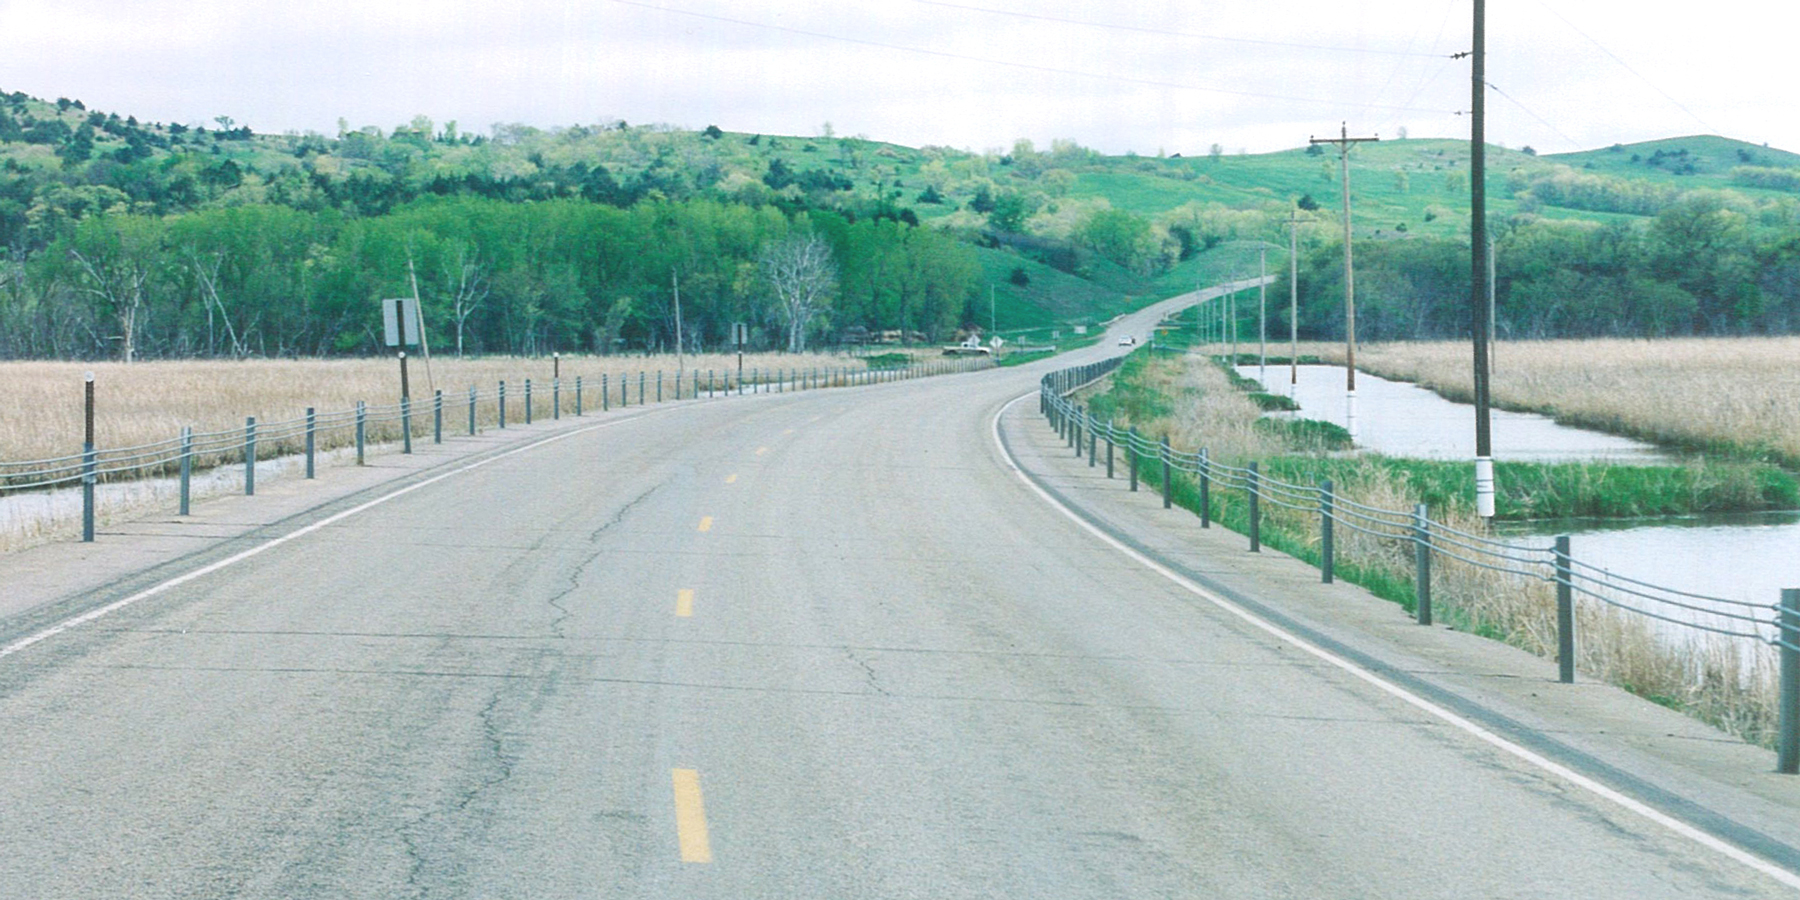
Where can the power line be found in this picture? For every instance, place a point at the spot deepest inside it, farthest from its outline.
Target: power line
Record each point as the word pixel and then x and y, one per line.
pixel 1169 33
pixel 1029 67
pixel 1627 67
pixel 1528 111
pixel 1437 72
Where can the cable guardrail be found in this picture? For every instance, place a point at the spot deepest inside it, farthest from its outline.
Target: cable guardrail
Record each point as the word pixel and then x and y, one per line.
pixel 1774 625
pixel 416 418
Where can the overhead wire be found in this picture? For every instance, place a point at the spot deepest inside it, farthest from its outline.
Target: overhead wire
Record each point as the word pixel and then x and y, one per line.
pixel 1627 67
pixel 1170 33
pixel 1437 72
pixel 1031 67
pixel 1528 111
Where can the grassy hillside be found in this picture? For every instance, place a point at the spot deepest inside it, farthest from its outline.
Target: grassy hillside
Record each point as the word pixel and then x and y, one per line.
pixel 1086 234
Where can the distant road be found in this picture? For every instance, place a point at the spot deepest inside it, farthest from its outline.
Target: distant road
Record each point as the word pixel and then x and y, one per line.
pixel 806 645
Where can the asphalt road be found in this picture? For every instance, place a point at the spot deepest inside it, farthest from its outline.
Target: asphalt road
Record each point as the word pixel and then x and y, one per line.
pixel 809 645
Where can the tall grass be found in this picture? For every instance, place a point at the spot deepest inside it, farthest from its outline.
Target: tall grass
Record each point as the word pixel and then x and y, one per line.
pixel 41 412
pixel 1727 683
pixel 1729 396
pixel 41 406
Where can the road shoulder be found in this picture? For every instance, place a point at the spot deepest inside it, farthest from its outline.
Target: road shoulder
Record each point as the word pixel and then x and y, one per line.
pixel 1678 765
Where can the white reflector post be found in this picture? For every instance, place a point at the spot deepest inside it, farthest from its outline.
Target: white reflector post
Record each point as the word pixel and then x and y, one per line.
pixel 1484 487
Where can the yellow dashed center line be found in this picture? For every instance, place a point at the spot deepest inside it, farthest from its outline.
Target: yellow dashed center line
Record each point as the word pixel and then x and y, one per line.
pixel 761 450
pixel 690 818
pixel 789 431
pixel 684 602
pixel 731 479
pixel 706 523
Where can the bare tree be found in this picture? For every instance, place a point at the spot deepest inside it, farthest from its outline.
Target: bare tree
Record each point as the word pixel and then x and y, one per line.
pixel 206 273
pixel 800 270
pixel 115 267
pixel 466 278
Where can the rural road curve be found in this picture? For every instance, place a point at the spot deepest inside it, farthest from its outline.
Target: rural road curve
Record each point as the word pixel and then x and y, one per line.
pixel 810 645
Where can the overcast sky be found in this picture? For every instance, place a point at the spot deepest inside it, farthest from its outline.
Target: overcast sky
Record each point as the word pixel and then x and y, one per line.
pixel 973 74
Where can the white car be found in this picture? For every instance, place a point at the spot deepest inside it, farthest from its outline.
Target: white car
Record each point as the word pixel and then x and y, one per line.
pixel 1127 341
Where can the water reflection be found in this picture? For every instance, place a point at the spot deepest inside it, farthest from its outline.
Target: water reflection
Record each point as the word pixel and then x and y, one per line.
pixel 1743 557
pixel 1747 557
pixel 1400 419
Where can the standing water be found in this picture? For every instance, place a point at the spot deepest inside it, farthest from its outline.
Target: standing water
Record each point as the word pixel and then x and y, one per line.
pixel 1747 557
pixel 1400 419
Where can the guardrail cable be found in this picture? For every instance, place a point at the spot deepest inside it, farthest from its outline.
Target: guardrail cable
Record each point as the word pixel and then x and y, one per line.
pixel 1531 561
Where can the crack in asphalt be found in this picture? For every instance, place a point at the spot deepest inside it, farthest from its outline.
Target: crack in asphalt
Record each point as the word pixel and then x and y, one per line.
pixel 563 613
pixel 868 672
pixel 414 834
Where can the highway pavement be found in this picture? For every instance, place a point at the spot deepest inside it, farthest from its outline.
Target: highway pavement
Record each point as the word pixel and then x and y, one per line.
pixel 803 645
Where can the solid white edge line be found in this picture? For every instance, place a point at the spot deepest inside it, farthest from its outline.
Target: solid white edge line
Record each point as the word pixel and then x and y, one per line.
pixel 271 544
pixel 1467 726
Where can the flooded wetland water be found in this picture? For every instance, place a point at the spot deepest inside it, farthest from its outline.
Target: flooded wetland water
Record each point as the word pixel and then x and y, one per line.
pixel 1746 557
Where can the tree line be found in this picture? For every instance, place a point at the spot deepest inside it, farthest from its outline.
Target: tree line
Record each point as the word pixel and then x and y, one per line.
pixel 1702 266
pixel 493 277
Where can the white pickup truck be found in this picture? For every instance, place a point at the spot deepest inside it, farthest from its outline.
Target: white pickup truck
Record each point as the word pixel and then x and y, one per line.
pixel 970 346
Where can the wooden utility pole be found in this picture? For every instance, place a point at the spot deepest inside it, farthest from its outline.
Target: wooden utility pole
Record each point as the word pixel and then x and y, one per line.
pixel 1262 315
pixel 1293 303
pixel 1344 142
pixel 1231 305
pixel 680 360
pixel 1478 250
pixel 419 308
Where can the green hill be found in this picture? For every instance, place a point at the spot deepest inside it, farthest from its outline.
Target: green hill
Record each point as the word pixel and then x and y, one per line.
pixel 1057 235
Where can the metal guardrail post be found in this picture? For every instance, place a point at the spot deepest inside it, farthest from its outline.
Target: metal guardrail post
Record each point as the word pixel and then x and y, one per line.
pixel 1565 613
pixel 578 396
pixel 1787 745
pixel 250 456
pixel 187 468
pixel 472 395
pixel 1422 563
pixel 1254 486
pixel 1327 563
pixel 1109 448
pixel 90 473
pixel 437 417
pixel 1075 429
pixel 1205 467
pixel 640 387
pixel 1131 456
pixel 406 425
pixel 502 404
pixel 1168 475
pixel 362 429
pixel 528 401
pixel 1093 438
pixel 605 394
pixel 312 442
pixel 555 399
pixel 90 460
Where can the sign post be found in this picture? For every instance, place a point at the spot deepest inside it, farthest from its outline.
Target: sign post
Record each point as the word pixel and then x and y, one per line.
pixel 400 328
pixel 740 335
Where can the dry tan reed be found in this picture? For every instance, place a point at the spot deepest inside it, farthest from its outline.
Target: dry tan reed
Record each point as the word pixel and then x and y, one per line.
pixel 1729 683
pixel 140 403
pixel 1705 393
pixel 1205 410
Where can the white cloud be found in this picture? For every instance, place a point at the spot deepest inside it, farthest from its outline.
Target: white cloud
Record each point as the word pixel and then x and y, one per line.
pixel 1189 73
